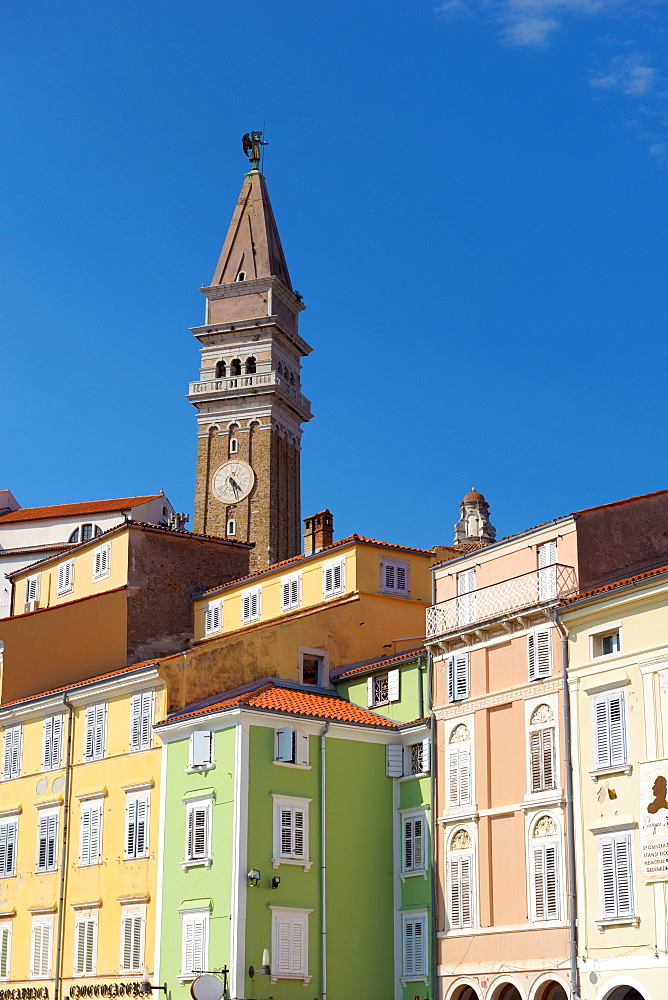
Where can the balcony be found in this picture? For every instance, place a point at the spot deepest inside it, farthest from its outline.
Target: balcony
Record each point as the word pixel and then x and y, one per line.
pixel 244 383
pixel 500 600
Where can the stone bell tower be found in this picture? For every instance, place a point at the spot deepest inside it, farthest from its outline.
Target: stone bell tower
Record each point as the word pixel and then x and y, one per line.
pixel 474 529
pixel 250 408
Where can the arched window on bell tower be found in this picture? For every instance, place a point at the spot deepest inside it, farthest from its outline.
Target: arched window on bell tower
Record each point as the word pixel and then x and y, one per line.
pixel 250 366
pixel 221 369
pixel 235 367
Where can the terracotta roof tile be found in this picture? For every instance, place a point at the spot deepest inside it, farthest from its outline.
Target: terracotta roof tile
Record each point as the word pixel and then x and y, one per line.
pixel 79 684
pixel 76 509
pixel 615 584
pixel 348 669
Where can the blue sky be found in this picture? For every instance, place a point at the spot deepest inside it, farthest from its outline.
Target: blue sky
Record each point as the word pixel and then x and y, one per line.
pixel 472 200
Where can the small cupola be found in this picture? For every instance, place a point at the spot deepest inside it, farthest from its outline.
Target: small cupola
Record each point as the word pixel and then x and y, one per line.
pixel 474 524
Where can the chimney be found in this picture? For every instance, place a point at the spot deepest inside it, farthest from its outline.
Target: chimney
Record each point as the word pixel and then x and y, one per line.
pixel 318 531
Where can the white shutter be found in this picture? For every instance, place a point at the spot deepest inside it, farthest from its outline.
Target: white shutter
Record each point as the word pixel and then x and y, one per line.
pixel 135 722
pixel 426 756
pixel 40 962
pixel 547 577
pixel 393 685
pixel 402 578
pixel 459 776
pixel 61 577
pixel 608 882
pixel 53 742
pixel 301 748
pixel 609 730
pixel 298 835
pixel 285 594
pixel 198 832
pixel 201 747
pixel 466 600
pixel 284 945
pixel 458 677
pixel 131 942
pixel 284 744
pixel 461 890
pixel 100 730
pixel 623 870
pixel 213 617
pixel 414 846
pixel 394 760
pixel 414 948
pixel 7 848
pixel 369 692
pixel 5 945
pixel 539 653
pixel 389 582
pixel 617 734
pixel 11 758
pixel 454 793
pixel 89 738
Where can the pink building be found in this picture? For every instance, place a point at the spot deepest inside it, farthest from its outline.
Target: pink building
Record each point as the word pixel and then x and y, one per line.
pixel 503 804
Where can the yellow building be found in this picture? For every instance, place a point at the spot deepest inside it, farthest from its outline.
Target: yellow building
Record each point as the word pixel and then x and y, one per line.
pixel 618 679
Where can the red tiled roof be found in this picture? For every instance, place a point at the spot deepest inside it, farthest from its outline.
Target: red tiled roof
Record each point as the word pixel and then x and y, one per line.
pixel 615 584
pixel 76 509
pixel 273 697
pixel 357 668
pixel 80 684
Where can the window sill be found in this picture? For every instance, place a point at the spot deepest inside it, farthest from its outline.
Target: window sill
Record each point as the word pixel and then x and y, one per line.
pixel 289 975
pixel 541 800
pixel 197 769
pixel 604 772
pixel 188 978
pixel 306 865
pixel 198 863
pixel 459 814
pixel 630 921
pixel 289 763
pixel 404 875
pixel 404 980
pixel 90 864
pixel 104 576
pixel 419 774
pixel 141 857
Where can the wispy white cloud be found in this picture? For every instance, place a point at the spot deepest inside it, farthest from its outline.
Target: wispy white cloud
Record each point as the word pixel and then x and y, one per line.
pixel 630 74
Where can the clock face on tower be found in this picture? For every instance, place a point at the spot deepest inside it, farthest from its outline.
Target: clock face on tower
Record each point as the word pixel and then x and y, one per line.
pixel 232 481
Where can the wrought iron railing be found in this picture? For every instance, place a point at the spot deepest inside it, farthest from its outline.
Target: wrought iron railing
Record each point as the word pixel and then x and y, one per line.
pixel 539 587
pixel 234 382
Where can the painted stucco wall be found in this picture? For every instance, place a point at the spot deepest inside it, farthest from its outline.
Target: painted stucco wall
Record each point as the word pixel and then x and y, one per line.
pixel 415 892
pixel 409 707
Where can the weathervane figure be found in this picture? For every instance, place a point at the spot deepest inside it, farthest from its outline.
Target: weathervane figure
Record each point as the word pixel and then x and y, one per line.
pixel 251 143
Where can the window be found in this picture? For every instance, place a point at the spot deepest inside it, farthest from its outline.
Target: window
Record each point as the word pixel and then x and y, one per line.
pixel 221 369
pixel 136 825
pixel 333 578
pixel 461 880
pixel 458 677
pixel 133 919
pixel 416 758
pixel 313 667
pixel 609 730
pixel 290 829
pixel 466 598
pixel 241 276
pixel 539 653
pixel 606 643
pixel 291 591
pixel 414 946
pixel 198 831
pixel 101 561
pixel 66 577
pixel 382 688
pixel 11 754
pixel 5 948
pixel 235 367
pixel 251 365
pixel 291 746
pixel 8 833
pixel 542 776
pixel 231 526
pixel 414 844
pixel 459 767
pixel 394 576
pixel 194 942
pixel 234 446
pixel 85 533
pixel 141 720
pixel 52 744
pixel 90 840
pixel 201 749
pixel 545 869
pixel 32 593
pixel 547 570
pixel 95 738
pixel 289 939
pixel 615 861
pixel 40 948
pixel 47 831
pixel 251 601
pixel 85 943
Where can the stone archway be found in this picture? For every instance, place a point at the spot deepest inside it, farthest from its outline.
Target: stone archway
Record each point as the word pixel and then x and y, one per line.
pixel 624 993
pixel 551 991
pixel 465 993
pixel 507 991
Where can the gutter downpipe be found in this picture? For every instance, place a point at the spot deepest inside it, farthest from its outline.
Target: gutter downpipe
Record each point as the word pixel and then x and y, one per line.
pixel 570 816
pixel 63 854
pixel 323 863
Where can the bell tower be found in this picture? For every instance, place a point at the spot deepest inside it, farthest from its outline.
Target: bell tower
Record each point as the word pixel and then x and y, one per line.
pixel 250 408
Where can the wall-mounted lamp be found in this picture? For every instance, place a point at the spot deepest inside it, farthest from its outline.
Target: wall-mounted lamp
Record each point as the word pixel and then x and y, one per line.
pixel 276 881
pixel 146 987
pixel 254 876
pixel 264 969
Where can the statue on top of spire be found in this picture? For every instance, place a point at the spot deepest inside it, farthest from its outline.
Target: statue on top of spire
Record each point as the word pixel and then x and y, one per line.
pixel 251 143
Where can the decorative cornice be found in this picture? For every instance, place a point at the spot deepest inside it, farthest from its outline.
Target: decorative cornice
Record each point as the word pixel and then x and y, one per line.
pixel 500 698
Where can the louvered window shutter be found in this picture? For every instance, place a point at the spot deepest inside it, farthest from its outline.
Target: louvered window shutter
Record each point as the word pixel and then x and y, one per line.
pixel 95 834
pixel 5 933
pixel 393 685
pixel 61 577
pixel 299 827
pixel 146 718
pixel 617 734
pixel 100 727
pixel 301 748
pixel 285 594
pixel 547 739
pixel 188 942
pixel 135 722
pixel 623 871
pixel 426 756
pixel 245 607
pixel 408 845
pixel 539 882
pixel 56 741
pixel 132 950
pixel 284 745
pixel 286 832
pixel 409 948
pixel 294 591
pixel 284 945
pixel 338 576
pixel 551 883
pixel 418 948
pixel 369 692
pixel 298 950
pixel 458 677
pixel 413 844
pixel 51 841
pixel 197 833
pixel 7 848
pixel 616 875
pixel 402 579
pixel 327 580
pixel 11 759
pixel 41 950
pixel 454 792
pixel 41 843
pixel 89 739
pixel 394 760
pixel 131 828
pixel 97 563
pixel 601 732
pixel 389 576
pixel 607 876
pixel 84 852
pixel 7 754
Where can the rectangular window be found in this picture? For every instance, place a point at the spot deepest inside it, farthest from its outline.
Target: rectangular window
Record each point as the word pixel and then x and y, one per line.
pixel 461 889
pixel 417 758
pixel 198 830
pixel 40 948
pixel 333 578
pixel 541 754
pixel 136 825
pixel 5 948
pixel 458 677
pixel 32 593
pixel 90 840
pixel 251 605
pixel 606 643
pixel 52 745
pixel 66 577
pixel 539 653
pixel 213 616
pixel 312 668
pixel 47 842
pixel 289 958
pixel 383 688
pixel 616 875
pixel 8 837
pixel 466 597
pixel 394 576
pixel 85 945
pixel 414 843
pixel 101 561
pixel 291 591
pixel 459 776
pixel 95 738
pixel 609 730
pixel 291 746
pixel 11 754
pixel 194 943
pixel 545 882
pixel 290 829
pixel 547 570
pixel 133 919
pixel 414 946
pixel 141 720
pixel 201 749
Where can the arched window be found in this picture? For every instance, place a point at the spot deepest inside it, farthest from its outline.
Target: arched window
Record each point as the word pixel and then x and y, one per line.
pixel 279 368
pixel 250 366
pixel 460 871
pixel 241 276
pixel 234 446
pixel 231 527
pixel 85 533
pixel 74 537
pixel 235 367
pixel 459 767
pixel 221 369
pixel 545 869
pixel 542 770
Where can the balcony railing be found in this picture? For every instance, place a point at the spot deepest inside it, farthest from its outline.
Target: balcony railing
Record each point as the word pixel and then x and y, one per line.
pixel 260 379
pixel 539 587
